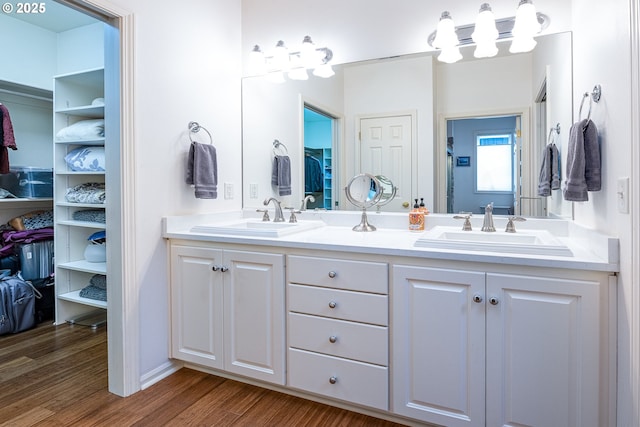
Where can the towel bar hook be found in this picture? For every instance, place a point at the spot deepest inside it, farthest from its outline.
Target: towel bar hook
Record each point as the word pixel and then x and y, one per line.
pixel 277 144
pixel 555 130
pixel 194 127
pixel 594 96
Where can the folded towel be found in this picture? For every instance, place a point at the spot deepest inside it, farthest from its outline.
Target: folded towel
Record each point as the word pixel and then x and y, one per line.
pixel 93 292
pixel 202 170
pixel 281 174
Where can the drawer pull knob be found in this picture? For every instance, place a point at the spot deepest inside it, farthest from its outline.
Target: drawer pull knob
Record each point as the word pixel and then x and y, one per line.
pixel 333 380
pixel 332 274
pixel 477 298
pixel 493 300
pixel 333 338
pixel 332 304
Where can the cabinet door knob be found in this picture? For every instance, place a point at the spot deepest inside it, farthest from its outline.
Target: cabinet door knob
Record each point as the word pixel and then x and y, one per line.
pixel 493 301
pixel 333 338
pixel 477 298
pixel 224 268
pixel 215 268
pixel 332 304
pixel 332 274
pixel 333 380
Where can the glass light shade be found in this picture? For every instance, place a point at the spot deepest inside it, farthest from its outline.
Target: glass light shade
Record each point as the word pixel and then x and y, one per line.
pixel 486 50
pixel 445 33
pixel 324 71
pixel 522 44
pixel 308 54
pixel 256 61
pixel 526 20
pixel 281 56
pixel 485 33
pixel 298 74
pixel 450 55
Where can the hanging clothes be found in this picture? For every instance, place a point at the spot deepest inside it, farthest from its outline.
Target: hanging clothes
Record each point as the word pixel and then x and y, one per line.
pixel 312 174
pixel 7 138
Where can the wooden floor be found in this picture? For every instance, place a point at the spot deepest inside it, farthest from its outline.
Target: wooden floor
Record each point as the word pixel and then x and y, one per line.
pixel 57 376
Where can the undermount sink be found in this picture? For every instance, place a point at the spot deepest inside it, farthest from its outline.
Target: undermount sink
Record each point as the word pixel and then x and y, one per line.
pixel 257 228
pixel 531 242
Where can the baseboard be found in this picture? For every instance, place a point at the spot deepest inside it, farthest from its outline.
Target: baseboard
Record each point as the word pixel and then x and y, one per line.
pixel 160 373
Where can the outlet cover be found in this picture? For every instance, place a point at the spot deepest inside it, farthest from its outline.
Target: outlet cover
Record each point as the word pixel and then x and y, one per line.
pixel 253 190
pixel 228 190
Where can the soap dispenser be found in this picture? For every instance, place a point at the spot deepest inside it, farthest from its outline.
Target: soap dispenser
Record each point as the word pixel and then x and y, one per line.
pixel 416 218
pixel 423 207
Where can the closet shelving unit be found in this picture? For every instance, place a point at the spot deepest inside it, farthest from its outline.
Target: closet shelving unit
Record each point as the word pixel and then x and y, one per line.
pixel 73 95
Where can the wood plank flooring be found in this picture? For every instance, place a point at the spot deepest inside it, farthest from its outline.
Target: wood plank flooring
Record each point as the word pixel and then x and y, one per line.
pixel 54 376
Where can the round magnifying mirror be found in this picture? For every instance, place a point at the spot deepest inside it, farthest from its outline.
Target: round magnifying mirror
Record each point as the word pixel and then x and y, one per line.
pixel 363 190
pixel 388 191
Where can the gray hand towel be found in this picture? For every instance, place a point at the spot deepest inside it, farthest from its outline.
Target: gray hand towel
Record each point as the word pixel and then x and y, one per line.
pixel 555 168
pixel 202 170
pixel 544 179
pixel 281 174
pixel 583 162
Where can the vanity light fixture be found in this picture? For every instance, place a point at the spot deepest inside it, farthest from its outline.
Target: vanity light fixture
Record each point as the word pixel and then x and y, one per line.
pixel 295 63
pixel 520 28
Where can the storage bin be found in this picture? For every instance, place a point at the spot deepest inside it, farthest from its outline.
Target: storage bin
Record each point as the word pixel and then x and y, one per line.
pixel 33 182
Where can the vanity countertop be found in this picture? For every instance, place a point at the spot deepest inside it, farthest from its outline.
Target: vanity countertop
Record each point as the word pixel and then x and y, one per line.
pixel 591 250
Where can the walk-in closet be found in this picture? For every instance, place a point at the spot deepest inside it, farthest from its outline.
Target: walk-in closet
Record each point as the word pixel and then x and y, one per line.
pixel 52 161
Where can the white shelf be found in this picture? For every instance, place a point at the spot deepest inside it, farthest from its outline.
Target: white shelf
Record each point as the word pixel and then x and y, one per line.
pixel 88 111
pixel 93 141
pixel 99 173
pixel 86 224
pixel 75 297
pixel 82 205
pixel 26 200
pixel 85 266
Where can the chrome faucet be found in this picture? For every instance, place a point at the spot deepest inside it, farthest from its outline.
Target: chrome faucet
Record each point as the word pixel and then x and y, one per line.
pixel 487 224
pixel 308 198
pixel 278 216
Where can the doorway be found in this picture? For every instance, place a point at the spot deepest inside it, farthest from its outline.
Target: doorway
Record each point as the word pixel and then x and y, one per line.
pixel 482 164
pixel 319 143
pixel 386 147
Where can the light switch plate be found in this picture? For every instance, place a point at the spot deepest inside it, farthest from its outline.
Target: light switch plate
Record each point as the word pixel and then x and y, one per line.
pixel 253 190
pixel 622 195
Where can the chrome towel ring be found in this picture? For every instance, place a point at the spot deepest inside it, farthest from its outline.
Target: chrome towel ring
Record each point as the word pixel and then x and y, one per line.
pixel 194 127
pixel 594 96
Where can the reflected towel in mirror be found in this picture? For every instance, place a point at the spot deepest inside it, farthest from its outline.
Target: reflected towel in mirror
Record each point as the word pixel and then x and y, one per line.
pixel 281 174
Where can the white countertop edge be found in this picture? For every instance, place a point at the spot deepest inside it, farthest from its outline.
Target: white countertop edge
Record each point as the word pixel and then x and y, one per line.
pixel 401 245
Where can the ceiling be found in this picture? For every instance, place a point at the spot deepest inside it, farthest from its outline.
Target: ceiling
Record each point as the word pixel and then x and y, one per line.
pixel 56 18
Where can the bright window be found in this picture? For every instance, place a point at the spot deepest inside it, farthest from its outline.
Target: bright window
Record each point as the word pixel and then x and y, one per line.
pixel 494 163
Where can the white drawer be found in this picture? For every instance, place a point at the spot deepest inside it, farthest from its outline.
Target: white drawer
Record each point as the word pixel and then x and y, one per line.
pixel 337 378
pixel 366 343
pixel 342 274
pixel 339 304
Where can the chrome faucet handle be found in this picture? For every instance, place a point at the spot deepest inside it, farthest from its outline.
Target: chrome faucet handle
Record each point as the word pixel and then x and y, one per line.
pixel 511 228
pixel 265 216
pixel 467 222
pixel 294 211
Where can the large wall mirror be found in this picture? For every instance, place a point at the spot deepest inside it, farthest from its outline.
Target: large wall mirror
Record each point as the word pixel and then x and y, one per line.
pixel 401 117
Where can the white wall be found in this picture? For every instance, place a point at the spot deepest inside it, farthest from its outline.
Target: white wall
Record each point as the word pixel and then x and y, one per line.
pixel 28 53
pixel 602 56
pixel 80 49
pixel 187 68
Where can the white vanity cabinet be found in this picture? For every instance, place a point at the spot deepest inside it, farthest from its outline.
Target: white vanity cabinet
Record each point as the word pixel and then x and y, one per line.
pixel 337 325
pixel 227 310
pixel 473 348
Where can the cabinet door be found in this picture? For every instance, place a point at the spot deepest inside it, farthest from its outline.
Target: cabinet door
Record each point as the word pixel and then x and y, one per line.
pixel 542 351
pixel 438 345
pixel 196 306
pixel 255 315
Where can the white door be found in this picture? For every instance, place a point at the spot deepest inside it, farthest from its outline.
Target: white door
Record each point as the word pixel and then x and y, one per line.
pixel 385 149
pixel 543 352
pixel 255 315
pixel 196 306
pixel 438 339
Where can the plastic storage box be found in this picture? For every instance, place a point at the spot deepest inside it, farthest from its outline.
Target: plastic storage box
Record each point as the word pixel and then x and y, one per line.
pixel 33 182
